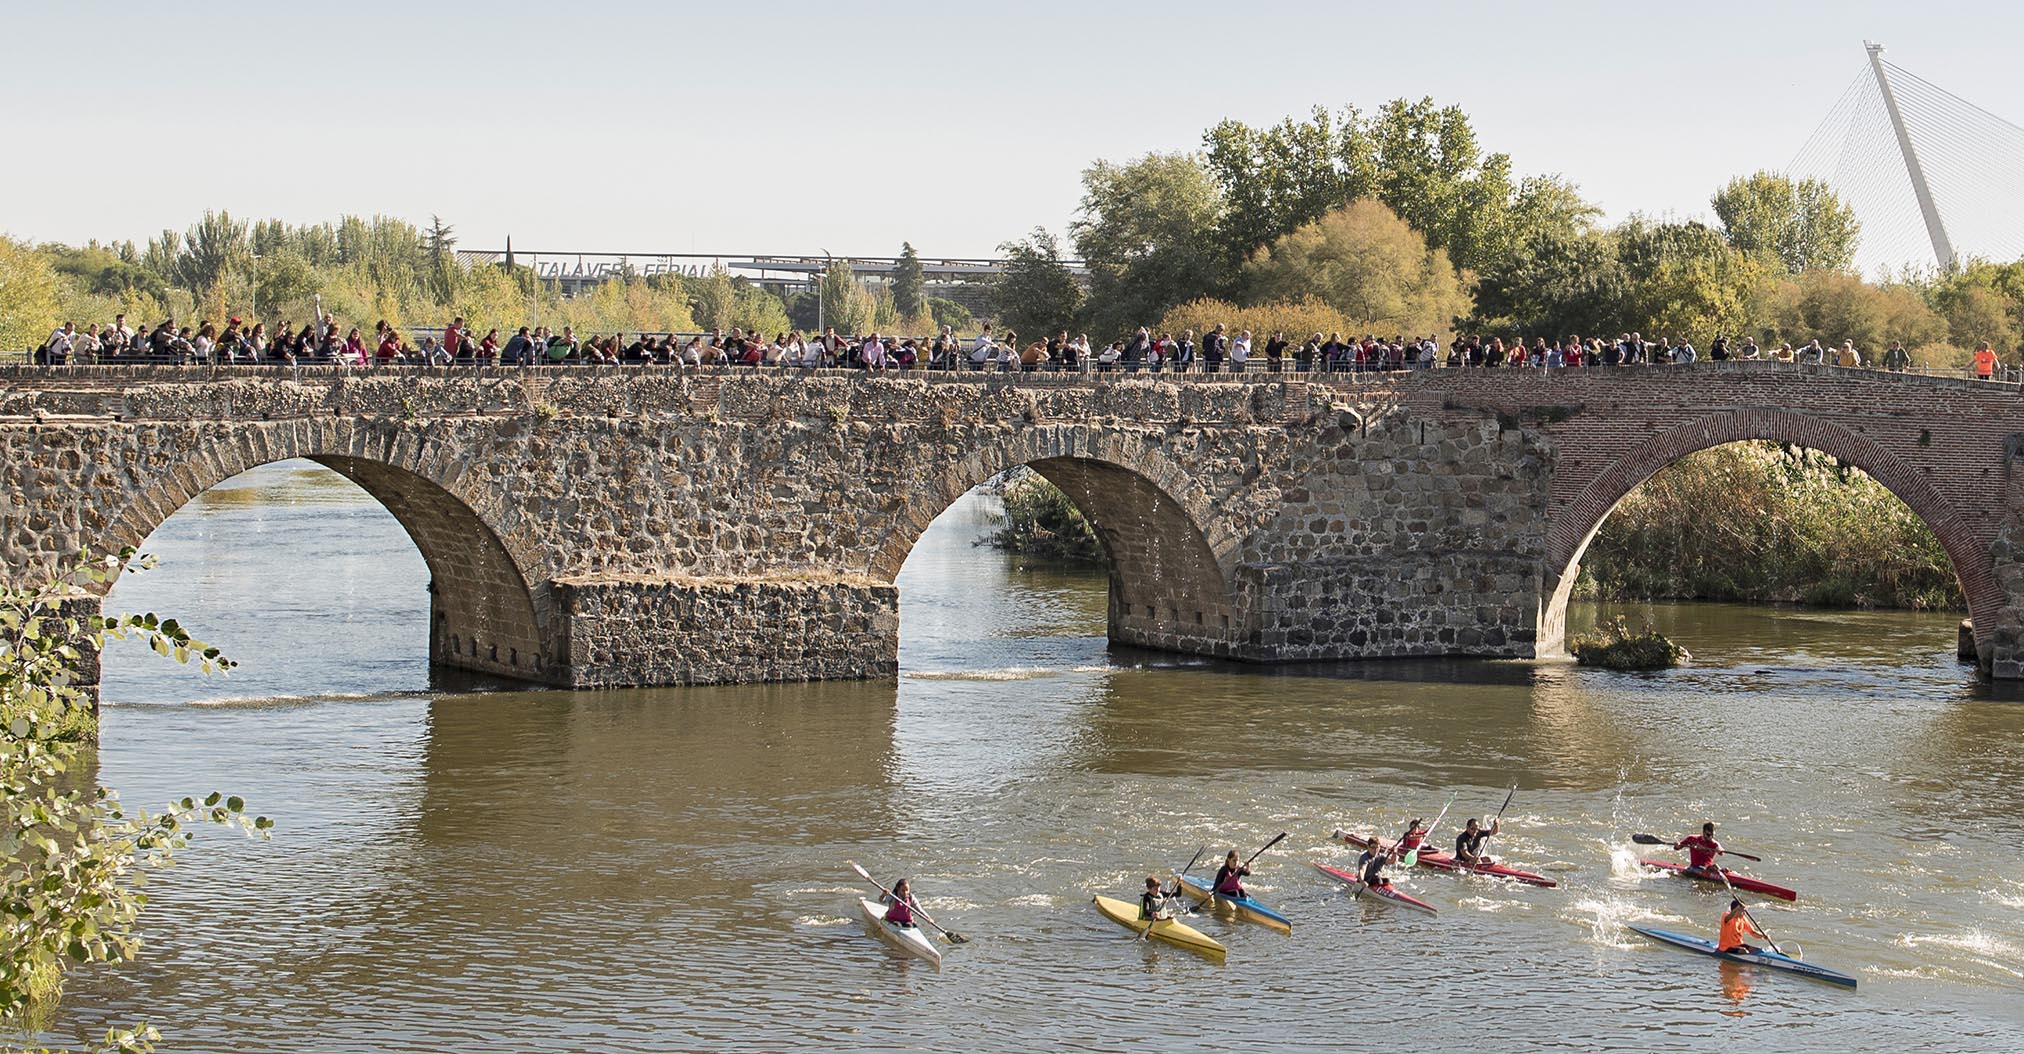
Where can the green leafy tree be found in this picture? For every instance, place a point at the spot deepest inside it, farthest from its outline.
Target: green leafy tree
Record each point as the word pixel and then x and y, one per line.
pixel 1684 280
pixel 1800 224
pixel 1834 307
pixel 213 248
pixel 1147 231
pixel 1557 273
pixel 714 299
pixel 1420 160
pixel 951 314
pixel 28 297
pixel 440 243
pixel 1036 294
pixel 846 303
pixel 1431 172
pixel 74 859
pixel 909 288
pixel 1982 301
pixel 1367 263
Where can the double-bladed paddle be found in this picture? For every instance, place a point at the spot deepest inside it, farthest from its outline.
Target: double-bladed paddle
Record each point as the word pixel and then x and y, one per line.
pixel 1652 839
pixel 921 913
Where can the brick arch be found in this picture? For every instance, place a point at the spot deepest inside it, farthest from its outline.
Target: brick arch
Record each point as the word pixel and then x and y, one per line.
pixel 1171 556
pixel 1575 524
pixel 484 614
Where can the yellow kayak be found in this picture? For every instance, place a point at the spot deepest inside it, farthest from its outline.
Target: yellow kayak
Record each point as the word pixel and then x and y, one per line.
pixel 1172 931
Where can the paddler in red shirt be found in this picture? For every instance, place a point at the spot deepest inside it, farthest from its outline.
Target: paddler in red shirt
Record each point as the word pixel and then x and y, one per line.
pixel 1736 926
pixel 1701 849
pixel 1416 832
pixel 1230 877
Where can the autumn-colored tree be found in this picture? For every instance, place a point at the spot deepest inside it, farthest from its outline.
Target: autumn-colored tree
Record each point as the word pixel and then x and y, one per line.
pixel 1365 262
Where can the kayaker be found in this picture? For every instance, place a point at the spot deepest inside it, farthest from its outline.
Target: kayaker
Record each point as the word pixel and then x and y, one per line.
pixel 1416 832
pixel 1469 844
pixel 1370 866
pixel 1701 849
pixel 1153 902
pixel 1736 926
pixel 1229 877
pixel 900 905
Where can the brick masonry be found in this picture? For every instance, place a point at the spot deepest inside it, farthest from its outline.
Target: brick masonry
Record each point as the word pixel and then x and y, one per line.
pixel 655 526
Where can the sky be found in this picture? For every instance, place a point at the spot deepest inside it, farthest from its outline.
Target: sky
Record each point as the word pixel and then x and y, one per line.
pixel 789 127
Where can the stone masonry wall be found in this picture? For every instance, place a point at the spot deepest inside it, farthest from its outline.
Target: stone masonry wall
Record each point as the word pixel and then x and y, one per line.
pixel 655 631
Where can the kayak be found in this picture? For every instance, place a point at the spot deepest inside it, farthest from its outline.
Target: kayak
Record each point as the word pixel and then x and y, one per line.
pixel 1439 861
pixel 909 939
pixel 1768 959
pixel 1246 908
pixel 1173 931
pixel 1388 894
pixel 1742 882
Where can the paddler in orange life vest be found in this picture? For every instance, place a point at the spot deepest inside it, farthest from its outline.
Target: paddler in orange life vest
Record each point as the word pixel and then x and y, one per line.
pixel 1701 849
pixel 1735 927
pixel 1230 877
pixel 900 905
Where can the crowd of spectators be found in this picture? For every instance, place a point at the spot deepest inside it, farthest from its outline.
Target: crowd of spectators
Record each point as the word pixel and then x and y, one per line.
pixel 325 342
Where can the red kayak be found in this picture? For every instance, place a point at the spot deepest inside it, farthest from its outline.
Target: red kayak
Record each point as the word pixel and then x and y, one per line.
pixel 1440 861
pixel 1389 894
pixel 1743 882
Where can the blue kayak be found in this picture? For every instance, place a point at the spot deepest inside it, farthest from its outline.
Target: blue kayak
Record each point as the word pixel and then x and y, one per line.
pixel 1767 959
pixel 1246 908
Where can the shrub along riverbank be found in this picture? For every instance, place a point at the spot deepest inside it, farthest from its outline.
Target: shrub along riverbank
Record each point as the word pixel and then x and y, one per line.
pixel 1764 523
pixel 1752 522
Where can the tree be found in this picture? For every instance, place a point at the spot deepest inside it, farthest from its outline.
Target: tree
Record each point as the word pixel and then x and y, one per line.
pixel 1982 301
pixel 212 248
pixel 953 315
pixel 439 243
pixel 909 283
pixel 74 859
pixel 28 297
pixel 1684 280
pixel 1364 261
pixel 846 303
pixel 1420 160
pixel 1834 307
pixel 1556 273
pixel 1147 231
pixel 714 299
pixel 1036 294
pixel 1430 171
pixel 1802 225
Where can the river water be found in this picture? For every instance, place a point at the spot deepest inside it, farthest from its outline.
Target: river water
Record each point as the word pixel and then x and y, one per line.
pixel 664 870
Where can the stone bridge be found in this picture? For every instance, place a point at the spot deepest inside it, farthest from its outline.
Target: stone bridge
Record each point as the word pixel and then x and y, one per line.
pixel 659 526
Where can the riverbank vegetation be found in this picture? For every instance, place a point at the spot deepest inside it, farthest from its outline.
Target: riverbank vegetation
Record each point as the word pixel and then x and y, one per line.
pixel 1613 645
pixel 1761 522
pixel 1039 520
pixel 74 860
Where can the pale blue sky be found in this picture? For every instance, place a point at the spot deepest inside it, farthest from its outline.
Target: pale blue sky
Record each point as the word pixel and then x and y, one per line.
pixel 788 127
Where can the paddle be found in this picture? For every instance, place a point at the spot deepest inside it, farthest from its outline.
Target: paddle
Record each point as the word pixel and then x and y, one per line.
pixel 1413 855
pixel 953 936
pixel 1146 934
pixel 1276 839
pixel 1738 898
pixel 1652 839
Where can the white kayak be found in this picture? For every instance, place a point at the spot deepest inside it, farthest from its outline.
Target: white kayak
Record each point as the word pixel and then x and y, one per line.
pixel 912 940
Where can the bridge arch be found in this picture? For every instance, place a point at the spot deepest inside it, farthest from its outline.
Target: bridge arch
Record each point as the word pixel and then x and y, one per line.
pixel 1171 556
pixel 489 603
pixel 1575 524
